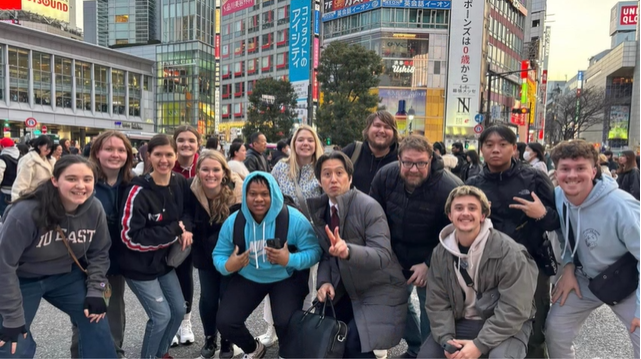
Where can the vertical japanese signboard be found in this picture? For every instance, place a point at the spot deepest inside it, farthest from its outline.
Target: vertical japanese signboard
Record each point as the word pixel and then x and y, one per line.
pixel 465 60
pixel 299 46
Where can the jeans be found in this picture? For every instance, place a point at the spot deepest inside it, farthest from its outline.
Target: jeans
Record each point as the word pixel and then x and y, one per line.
pixel 165 306
pixel 115 317
pixel 66 292
pixel 212 287
pixel 416 331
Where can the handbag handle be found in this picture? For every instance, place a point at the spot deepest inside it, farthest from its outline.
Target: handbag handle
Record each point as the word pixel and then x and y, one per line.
pixel 325 306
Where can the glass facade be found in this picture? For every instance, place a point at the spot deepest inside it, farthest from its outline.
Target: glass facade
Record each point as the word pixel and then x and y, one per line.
pixel 2 74
pixel 101 88
pixel 188 20
pixel 83 85
pixel 41 64
pixel 64 86
pixel 19 74
pixel 132 22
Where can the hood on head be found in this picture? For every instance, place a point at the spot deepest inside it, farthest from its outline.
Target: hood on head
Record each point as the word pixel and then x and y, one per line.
pixel 276 195
pixel 11 151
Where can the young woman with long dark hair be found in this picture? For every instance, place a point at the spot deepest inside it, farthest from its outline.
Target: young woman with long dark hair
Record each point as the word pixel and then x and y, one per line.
pixel 214 189
pixel 473 166
pixel 534 154
pixel 153 221
pixel 628 173
pixel 187 141
pixel 34 168
pixel 38 235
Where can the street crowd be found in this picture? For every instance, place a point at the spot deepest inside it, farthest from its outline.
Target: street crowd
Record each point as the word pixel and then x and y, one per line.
pixel 360 228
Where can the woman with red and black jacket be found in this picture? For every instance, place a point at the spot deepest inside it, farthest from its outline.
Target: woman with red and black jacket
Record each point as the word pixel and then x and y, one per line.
pixel 153 220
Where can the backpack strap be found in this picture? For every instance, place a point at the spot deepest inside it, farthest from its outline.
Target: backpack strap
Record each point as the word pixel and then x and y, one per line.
pixel 239 231
pixel 282 227
pixel 358 148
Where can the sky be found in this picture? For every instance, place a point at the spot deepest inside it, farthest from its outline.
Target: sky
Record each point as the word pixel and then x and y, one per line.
pixel 580 30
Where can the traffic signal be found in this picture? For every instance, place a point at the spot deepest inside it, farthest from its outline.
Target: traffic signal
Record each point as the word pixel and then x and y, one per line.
pixel 328 141
pixel 521 111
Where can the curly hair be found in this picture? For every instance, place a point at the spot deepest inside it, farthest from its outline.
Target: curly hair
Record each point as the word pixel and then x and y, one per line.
pixel 576 149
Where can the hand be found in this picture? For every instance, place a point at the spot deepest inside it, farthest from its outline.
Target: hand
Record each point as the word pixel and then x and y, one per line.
pixel 635 325
pixel 468 351
pixel 534 210
pixel 419 277
pixel 447 354
pixel 186 239
pixel 95 308
pixel 324 291
pixel 10 335
pixel 278 256
pixel 566 284
pixel 237 261
pixel 182 226
pixel 339 246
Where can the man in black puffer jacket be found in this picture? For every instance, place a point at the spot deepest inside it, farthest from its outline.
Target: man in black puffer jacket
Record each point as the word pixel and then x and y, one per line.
pixel 522 204
pixel 413 192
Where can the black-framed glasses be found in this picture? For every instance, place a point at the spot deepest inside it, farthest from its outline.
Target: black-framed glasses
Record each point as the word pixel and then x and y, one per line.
pixel 409 164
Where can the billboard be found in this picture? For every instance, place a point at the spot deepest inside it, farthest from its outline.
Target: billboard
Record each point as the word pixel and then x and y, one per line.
pixel 231 6
pixel 624 16
pixel 619 122
pixel 54 9
pixel 464 65
pixel 11 5
pixel 415 100
pixel 417 4
pixel 300 25
pixel 218 21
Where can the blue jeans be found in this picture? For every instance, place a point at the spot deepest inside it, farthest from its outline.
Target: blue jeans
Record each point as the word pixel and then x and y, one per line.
pixel 164 304
pixel 66 292
pixel 416 331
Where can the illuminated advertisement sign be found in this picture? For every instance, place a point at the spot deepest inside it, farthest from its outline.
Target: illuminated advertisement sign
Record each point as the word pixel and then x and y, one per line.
pixel 624 16
pixel 231 6
pixel 619 122
pixel 299 46
pixel 54 9
pixel 418 4
pixel 11 5
pixel 217 47
pixel 358 7
pixel 218 21
pixel 333 11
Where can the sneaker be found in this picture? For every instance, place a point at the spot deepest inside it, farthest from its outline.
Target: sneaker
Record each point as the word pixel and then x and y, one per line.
pixel 209 349
pixel 175 342
pixel 270 338
pixel 226 349
pixel 185 334
pixel 380 354
pixel 258 353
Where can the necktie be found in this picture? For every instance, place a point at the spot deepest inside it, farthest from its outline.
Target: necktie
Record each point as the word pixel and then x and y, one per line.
pixel 334 220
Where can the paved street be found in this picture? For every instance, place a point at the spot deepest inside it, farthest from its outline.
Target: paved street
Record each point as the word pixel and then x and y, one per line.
pixel 602 337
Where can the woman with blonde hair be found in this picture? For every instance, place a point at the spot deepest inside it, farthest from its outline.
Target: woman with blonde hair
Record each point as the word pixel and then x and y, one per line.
pixel 212 191
pixel 605 165
pixel 296 179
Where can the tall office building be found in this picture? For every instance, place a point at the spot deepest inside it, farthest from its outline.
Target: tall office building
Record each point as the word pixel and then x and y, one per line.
pixel 132 22
pixel 96 24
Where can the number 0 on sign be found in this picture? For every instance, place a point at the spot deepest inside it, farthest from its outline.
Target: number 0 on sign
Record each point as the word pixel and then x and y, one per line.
pixel 31 122
pixel 478 128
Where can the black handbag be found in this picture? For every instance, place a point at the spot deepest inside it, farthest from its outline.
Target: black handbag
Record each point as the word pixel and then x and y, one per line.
pixel 616 282
pixel 545 258
pixel 312 335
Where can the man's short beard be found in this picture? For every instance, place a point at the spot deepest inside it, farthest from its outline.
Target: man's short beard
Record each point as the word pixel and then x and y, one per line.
pixel 379 147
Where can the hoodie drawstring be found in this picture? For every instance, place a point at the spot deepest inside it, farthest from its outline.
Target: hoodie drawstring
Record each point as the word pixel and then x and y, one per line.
pixel 567 230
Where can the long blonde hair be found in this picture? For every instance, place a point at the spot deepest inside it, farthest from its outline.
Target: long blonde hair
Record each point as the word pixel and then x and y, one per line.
pixel 219 206
pixel 294 169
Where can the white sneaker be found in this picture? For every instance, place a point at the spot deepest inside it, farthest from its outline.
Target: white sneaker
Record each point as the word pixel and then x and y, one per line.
pixel 258 353
pixel 380 354
pixel 175 342
pixel 185 333
pixel 270 338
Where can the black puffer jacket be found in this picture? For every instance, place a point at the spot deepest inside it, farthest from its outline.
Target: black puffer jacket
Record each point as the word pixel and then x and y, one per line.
pixel 416 219
pixel 629 182
pixel 518 181
pixel 367 164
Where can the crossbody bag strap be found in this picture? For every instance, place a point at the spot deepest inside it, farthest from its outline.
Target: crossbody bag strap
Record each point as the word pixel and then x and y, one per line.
pixel 66 242
pixel 301 201
pixel 571 238
pixel 464 273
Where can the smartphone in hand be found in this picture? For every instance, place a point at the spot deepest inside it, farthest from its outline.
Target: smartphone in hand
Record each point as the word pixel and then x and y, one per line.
pixel 274 243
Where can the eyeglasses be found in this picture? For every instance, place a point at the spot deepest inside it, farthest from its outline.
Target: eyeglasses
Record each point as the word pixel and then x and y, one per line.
pixel 408 165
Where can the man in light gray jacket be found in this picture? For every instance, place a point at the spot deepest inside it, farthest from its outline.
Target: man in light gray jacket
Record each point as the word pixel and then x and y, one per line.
pixel 480 286
pixel 358 271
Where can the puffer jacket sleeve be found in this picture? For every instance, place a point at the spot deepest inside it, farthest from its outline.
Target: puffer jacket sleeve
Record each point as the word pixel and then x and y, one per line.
pixel 437 302
pixel 517 283
pixel 377 251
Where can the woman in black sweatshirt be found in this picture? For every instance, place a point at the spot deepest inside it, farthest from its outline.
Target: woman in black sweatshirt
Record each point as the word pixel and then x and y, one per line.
pixel 153 221
pixel 214 189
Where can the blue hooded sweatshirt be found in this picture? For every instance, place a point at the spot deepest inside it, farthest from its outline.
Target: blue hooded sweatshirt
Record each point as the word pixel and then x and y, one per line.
pixel 606 225
pixel 300 234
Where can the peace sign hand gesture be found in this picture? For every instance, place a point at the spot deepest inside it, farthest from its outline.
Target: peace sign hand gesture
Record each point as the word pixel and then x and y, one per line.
pixel 533 209
pixel 338 246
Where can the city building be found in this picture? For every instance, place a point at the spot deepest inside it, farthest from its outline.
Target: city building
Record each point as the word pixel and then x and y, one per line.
pixel 59 17
pixel 96 25
pixel 634 131
pixel 71 88
pixel 537 50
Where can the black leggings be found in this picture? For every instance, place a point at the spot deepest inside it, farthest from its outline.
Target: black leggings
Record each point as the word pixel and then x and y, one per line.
pixel 185 274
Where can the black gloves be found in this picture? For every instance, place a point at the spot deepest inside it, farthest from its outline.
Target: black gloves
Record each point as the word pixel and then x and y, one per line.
pixel 10 335
pixel 96 305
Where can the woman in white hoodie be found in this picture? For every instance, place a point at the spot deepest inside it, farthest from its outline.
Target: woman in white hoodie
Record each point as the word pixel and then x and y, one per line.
pixel 34 168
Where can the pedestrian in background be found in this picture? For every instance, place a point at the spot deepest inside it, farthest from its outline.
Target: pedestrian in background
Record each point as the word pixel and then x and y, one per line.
pixel 237 155
pixel 473 166
pixel 38 234
pixel 56 151
pixel 628 173
pixel 34 168
pixel 282 151
pixel 612 162
pixel 604 164
pixel 153 221
pixel 73 149
pixel 459 152
pixel 212 143
pixel 64 143
pixel 534 154
pixel 8 170
pixel 255 159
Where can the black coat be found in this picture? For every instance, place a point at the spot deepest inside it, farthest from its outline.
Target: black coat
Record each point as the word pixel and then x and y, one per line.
pixel 277 156
pixel 629 182
pixel 255 161
pixel 416 219
pixel 518 181
pixel 470 171
pixel 367 164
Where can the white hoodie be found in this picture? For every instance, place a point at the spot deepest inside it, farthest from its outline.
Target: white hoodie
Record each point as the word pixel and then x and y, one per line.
pixel 472 258
pixel 11 152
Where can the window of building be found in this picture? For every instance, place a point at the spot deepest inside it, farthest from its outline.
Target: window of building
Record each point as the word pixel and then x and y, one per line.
pixel 266 64
pixel 145 83
pixel 239 27
pixel 225 71
pixel 239 48
pixel 252 45
pixel 2 74
pixel 122 19
pixel 226 91
pixel 41 64
pixel 119 91
pixel 282 38
pixel 18 74
pixel 239 68
pixel 225 51
pixel 268 19
pixel 536 23
pixel 83 85
pixel 134 94
pixel 282 61
pixel 282 15
pixel 225 111
pixel 254 24
pixel 250 86
pixel 239 89
pixel 267 42
pixel 63 70
pixel 122 41
pixel 238 110
pixel 101 83
pixel 268 3
pixel 437 67
pixel 252 66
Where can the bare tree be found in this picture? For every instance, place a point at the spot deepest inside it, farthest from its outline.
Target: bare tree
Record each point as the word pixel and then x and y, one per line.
pixel 570 115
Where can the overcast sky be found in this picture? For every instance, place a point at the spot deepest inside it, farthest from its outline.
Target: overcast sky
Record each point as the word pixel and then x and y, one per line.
pixel 580 30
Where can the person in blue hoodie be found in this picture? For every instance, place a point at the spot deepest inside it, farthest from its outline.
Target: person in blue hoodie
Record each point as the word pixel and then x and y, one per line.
pixel 583 200
pixel 259 270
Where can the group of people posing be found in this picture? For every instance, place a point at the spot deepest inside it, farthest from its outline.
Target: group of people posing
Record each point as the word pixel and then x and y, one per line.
pixel 364 228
